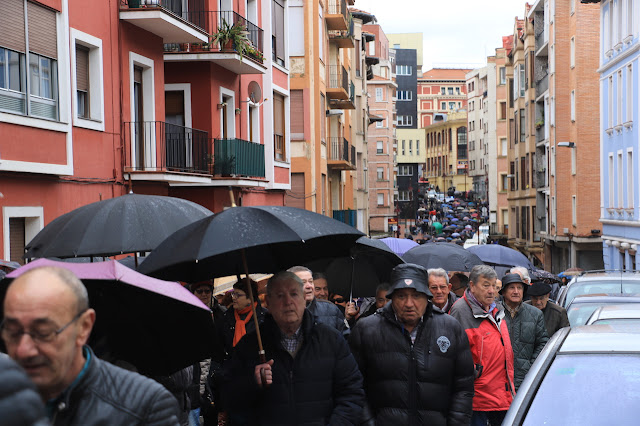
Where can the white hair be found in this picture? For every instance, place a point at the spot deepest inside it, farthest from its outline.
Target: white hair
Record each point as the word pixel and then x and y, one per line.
pixel 522 271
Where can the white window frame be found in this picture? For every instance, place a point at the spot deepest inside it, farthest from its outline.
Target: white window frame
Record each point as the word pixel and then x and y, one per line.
pixel 573 105
pixel 379 173
pixel 629 95
pixel 619 115
pixel 231 105
pixel 630 182
pixel 380 199
pixel 620 185
pixel 321 25
pixel 379 94
pixel 149 89
pixel 96 81
pixel 522 80
pixel 503 75
pixel 611 175
pixel 574 211
pixel 32 226
pixel 610 103
pixel 572 52
pixel 379 147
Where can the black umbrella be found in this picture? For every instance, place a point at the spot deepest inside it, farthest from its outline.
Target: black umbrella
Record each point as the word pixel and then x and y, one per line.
pixel 370 264
pixel 448 256
pixel 158 326
pixel 272 238
pixel 131 223
pixel 546 276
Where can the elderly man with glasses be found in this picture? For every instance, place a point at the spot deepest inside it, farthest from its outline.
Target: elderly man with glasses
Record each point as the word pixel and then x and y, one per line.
pixel 47 322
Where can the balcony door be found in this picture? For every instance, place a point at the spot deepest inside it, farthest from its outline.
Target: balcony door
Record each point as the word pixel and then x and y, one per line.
pixel 177 145
pixel 138 118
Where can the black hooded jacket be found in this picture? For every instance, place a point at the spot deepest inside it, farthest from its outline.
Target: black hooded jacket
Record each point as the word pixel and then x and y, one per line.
pixel 429 382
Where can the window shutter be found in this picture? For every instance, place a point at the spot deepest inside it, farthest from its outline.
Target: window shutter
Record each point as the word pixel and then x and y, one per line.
pixel 12 25
pixel 323 117
pixel 278 11
pixel 82 68
pixel 296 197
pixel 297 115
pixel 16 239
pixel 42 31
pixel 278 114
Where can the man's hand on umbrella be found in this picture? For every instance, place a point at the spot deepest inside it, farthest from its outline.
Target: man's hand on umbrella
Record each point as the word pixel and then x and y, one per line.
pixel 266 370
pixel 350 311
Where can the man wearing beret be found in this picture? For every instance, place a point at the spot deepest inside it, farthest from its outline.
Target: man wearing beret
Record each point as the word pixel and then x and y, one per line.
pixel 526 326
pixel 555 316
pixel 415 359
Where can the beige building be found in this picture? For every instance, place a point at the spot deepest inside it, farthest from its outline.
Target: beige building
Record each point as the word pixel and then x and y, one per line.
pixel 446 153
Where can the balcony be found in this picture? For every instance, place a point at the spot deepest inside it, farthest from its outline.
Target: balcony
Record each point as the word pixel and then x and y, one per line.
pixel 159 151
pixel 542 85
pixel 345 103
pixel 238 158
pixel 339 151
pixel 343 38
pixel 166 19
pixel 338 87
pixel 247 58
pixel 337 16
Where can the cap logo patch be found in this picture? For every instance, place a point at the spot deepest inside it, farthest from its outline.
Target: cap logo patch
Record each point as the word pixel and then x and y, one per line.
pixel 408 281
pixel 443 343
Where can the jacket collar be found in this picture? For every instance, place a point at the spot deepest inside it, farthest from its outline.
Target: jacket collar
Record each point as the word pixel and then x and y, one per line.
pixel 496 314
pixel 63 401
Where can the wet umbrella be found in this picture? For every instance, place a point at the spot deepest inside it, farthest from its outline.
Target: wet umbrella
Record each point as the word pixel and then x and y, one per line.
pixel 474 214
pixel 545 276
pixel 130 223
pixel 500 257
pixel 370 264
pixel 449 256
pixel 437 226
pixel 399 245
pixel 455 235
pixel 158 326
pixel 272 238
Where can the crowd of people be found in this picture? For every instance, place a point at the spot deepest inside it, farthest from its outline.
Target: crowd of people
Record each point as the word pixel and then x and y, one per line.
pixel 430 347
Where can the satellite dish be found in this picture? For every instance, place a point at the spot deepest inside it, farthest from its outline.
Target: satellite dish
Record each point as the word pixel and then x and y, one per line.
pixel 255 92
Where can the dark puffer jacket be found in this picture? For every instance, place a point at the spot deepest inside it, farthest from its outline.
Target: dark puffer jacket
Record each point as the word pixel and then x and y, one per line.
pixel 229 326
pixel 109 395
pixel 528 336
pixel 20 404
pixel 320 386
pixel 328 314
pixel 429 382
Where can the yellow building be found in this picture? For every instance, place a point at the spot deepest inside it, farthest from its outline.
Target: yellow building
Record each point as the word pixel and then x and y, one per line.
pixel 408 41
pixel 446 153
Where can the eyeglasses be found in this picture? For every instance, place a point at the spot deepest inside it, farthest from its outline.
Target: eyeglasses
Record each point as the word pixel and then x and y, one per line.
pixel 44 335
pixel 338 300
pixel 236 295
pixel 205 290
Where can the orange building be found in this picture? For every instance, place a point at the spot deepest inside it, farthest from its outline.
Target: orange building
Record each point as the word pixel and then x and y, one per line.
pixel 135 96
pixel 440 91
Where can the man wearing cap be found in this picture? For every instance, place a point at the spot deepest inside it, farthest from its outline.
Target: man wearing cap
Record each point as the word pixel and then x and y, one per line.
pixel 555 316
pixel 483 320
pixel 525 324
pixel 415 360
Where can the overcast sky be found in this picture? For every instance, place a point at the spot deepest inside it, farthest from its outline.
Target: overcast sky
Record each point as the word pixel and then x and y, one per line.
pixel 456 32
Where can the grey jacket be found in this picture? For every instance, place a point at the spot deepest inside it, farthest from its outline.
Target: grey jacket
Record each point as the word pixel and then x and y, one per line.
pixel 328 314
pixel 528 337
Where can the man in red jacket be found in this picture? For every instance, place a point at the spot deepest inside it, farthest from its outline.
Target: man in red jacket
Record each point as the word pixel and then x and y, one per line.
pixel 484 322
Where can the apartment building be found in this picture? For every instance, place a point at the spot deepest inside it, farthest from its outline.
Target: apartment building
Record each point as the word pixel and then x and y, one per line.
pixel 619 63
pixel 133 95
pixel 381 136
pixel 328 115
pixel 481 127
pixel 447 153
pixel 440 92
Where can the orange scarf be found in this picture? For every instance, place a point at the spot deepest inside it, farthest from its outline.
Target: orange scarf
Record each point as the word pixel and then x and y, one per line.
pixel 241 330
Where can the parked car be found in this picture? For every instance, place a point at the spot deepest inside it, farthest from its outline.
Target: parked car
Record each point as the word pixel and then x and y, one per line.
pixel 583 306
pixel 600 282
pixel 584 376
pixel 618 313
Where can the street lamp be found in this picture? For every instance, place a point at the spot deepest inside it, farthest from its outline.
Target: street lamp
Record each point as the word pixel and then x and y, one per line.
pixel 567 144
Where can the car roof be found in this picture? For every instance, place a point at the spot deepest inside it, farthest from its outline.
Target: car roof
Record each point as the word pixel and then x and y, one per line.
pixel 608 298
pixel 602 338
pixel 606 276
pixel 623 310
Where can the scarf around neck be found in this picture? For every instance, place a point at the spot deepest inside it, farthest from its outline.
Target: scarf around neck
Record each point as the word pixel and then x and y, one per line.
pixel 240 329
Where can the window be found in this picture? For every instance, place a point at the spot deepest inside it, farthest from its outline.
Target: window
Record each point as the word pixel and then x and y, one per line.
pixel 405 170
pixel 418 147
pixel 619 99
pixel 630 12
pixel 573 105
pixel 380 173
pixel 381 199
pixel 503 75
pixel 29 80
pixel 610 104
pixel 522 80
pixel 82 81
pixel 379 147
pixel 629 115
pixel 410 147
pixel 630 197
pixel 504 182
pixel 452 106
pixel 443 105
pixel 380 124
pixel 379 94
pixel 321 33
pixel 277 32
pixel 279 127
pixel 404 195
pixel 457 90
pixel 522 125
pixel 611 182
pixel 402 147
pixel 443 90
pixel 619 184
pixel 450 90
pixel 572 6
pixel 405 120
pixel 88 80
pixel 296 117
pixel 516 84
pixel 572 52
pixel 503 111
pixel 405 95
pixel 404 70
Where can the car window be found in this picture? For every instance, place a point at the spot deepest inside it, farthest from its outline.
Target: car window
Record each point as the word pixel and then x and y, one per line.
pixel 596 287
pixel 579 313
pixel 633 322
pixel 588 389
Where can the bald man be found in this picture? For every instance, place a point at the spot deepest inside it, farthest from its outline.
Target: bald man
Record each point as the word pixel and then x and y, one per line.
pixel 47 322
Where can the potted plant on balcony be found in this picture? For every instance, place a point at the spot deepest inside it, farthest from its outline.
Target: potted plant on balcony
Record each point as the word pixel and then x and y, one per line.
pixel 224 165
pixel 539 124
pixel 232 37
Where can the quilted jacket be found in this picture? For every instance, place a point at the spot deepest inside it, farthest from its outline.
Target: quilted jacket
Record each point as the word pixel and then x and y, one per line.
pixel 528 337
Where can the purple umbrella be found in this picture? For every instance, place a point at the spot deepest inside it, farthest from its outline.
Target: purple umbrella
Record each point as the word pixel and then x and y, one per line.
pixel 155 325
pixel 399 245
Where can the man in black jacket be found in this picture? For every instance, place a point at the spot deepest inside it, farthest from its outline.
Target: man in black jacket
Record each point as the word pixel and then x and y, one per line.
pixel 415 360
pixel 47 321
pixel 311 377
